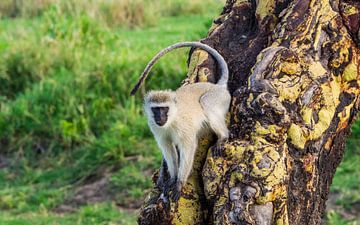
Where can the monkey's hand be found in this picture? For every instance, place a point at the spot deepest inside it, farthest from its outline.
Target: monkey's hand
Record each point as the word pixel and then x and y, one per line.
pixel 216 150
pixel 176 191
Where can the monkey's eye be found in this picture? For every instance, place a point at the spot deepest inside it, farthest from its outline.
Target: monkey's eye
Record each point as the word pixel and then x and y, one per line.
pixel 160 110
pixel 155 110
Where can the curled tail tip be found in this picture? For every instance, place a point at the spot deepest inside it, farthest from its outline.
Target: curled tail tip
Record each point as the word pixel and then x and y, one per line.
pixel 223 80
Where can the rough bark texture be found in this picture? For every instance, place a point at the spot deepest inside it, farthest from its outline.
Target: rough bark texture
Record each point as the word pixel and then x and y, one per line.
pixel 295 82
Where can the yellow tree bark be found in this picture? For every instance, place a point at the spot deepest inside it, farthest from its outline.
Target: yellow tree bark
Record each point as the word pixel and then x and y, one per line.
pixel 295 83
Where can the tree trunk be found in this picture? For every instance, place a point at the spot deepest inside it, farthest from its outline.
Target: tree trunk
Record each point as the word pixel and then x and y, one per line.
pixel 295 83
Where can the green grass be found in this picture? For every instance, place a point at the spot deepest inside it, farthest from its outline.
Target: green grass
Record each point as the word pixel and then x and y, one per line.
pixel 111 13
pixel 66 118
pixel 345 184
pixel 104 213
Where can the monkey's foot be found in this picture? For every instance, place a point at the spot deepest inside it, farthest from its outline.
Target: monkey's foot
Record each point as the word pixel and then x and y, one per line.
pixel 164 201
pixel 176 191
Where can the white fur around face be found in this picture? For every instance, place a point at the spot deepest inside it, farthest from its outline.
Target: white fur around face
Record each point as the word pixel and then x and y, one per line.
pixel 169 102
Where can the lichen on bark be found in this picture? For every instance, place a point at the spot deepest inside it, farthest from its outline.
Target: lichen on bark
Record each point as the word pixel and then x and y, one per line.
pixel 295 83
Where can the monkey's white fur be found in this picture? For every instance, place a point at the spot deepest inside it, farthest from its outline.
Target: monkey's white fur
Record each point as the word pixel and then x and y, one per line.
pixel 192 108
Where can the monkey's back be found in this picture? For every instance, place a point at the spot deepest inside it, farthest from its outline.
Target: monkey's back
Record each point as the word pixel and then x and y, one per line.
pixel 191 93
pixel 188 101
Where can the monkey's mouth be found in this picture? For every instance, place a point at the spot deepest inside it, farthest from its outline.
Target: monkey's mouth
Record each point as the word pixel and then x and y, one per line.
pixel 160 121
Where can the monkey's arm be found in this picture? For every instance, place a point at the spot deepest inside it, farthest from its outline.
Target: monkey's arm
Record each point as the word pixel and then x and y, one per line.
pixel 170 159
pixel 163 175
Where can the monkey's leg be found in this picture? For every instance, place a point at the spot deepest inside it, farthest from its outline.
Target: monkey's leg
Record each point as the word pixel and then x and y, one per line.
pixel 215 105
pixel 220 129
pixel 217 124
pixel 186 153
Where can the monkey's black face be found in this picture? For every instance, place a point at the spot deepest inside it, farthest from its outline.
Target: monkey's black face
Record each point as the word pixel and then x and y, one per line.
pixel 160 115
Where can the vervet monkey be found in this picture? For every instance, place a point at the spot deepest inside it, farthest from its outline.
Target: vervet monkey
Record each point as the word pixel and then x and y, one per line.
pixel 176 118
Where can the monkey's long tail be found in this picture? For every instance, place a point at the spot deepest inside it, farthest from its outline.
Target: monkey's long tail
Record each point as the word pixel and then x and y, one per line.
pixel 222 63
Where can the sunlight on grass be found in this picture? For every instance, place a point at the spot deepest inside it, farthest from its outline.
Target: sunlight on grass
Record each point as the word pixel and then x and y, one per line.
pixel 66 118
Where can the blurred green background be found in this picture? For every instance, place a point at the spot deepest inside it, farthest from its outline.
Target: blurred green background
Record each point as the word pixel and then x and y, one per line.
pixel 74 147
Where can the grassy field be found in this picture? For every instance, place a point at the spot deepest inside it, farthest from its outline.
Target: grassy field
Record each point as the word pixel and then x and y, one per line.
pixel 74 147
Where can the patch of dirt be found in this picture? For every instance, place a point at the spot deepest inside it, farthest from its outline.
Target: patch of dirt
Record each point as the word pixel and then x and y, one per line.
pixel 347 214
pixel 97 188
pixel 101 190
pixel 98 191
